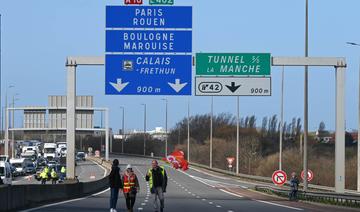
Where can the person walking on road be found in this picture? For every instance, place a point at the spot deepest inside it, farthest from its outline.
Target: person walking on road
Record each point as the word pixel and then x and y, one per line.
pixel 62 173
pixel 294 185
pixel 158 182
pixel 115 184
pixel 130 187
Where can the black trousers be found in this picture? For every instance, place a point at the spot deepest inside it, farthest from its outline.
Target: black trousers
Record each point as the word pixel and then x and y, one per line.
pixel 130 200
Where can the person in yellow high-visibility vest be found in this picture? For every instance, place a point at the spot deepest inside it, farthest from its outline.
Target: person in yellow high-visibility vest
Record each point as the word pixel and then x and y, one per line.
pixel 43 176
pixel 62 173
pixel 158 182
pixel 54 176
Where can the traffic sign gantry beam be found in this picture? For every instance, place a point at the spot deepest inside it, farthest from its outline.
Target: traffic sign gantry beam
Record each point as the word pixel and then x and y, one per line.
pixel 340 66
pixel 71 64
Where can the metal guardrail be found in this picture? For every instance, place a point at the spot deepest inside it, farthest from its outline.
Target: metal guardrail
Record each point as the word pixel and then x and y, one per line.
pixel 313 196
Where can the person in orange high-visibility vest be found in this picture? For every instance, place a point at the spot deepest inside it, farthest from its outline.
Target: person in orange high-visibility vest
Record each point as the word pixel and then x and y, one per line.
pixel 130 187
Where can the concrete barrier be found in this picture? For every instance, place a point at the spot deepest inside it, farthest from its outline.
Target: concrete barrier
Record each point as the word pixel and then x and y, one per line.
pixel 16 197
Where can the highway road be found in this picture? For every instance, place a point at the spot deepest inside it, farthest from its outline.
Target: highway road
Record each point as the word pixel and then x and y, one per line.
pixel 85 170
pixel 193 190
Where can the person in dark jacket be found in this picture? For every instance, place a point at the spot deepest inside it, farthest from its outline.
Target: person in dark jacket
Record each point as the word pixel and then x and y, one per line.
pixel 115 184
pixel 294 185
pixel 158 182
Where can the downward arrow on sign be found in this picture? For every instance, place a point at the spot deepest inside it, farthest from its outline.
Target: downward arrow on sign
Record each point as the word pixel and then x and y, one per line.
pixel 177 86
pixel 119 86
pixel 233 87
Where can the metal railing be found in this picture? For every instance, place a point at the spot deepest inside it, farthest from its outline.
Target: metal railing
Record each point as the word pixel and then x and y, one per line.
pixel 348 200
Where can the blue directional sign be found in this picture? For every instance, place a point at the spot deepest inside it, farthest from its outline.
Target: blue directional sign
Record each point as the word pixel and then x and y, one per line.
pixel 148 41
pixel 148 17
pixel 148 74
pixel 146 50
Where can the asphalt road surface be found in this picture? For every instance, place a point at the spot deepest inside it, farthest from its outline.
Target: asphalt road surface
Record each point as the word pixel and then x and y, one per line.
pixel 193 190
pixel 85 170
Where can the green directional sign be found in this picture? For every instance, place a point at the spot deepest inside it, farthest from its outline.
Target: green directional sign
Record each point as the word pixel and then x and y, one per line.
pixel 161 2
pixel 233 64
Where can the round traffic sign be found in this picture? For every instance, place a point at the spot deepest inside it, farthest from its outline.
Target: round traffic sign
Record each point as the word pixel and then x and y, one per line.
pixel 279 177
pixel 310 175
pixel 230 160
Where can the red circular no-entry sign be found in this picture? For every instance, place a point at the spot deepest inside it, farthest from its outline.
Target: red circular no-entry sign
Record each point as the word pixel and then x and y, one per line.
pixel 310 175
pixel 279 177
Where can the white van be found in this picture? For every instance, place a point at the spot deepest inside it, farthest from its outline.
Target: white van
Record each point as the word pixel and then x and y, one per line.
pixel 5 172
pixel 20 165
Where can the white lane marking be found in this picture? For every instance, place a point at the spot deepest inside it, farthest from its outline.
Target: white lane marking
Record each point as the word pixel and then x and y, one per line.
pixel 140 209
pixel 105 170
pixel 231 193
pixel 203 199
pixel 284 206
pixel 203 172
pixel 211 203
pixel 244 187
pixel 218 206
pixel 67 201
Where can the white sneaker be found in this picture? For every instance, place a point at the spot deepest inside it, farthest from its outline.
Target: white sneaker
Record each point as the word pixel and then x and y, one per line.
pixel 111 210
pixel 114 210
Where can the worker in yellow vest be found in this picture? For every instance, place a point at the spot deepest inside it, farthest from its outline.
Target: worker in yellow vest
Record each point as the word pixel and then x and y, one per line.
pixel 43 176
pixel 158 182
pixel 54 176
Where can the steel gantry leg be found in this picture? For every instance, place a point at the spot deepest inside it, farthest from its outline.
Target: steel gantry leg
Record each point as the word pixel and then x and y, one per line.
pixel 340 131
pixel 70 121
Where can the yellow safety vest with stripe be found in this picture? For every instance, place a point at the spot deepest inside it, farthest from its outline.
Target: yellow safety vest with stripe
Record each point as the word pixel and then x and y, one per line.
pixel 44 175
pixel 151 178
pixel 63 170
pixel 129 182
pixel 53 174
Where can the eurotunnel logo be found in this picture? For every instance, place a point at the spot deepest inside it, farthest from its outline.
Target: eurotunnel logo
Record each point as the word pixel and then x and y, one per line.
pixel 128 65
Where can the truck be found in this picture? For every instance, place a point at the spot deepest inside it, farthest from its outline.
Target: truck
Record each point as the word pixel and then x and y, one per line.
pixel 49 151
pixel 20 165
pixel 61 149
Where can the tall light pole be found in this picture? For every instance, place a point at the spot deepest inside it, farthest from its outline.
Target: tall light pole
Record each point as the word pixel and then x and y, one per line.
pixel 12 125
pixel 237 134
pixel 1 134
pixel 305 162
pixel 144 128
pixel 123 129
pixel 282 119
pixel 6 152
pixel 188 130
pixel 166 126
pixel 211 131
pixel 358 138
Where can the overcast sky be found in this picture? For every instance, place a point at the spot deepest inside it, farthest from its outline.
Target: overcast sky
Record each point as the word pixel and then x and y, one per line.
pixel 37 36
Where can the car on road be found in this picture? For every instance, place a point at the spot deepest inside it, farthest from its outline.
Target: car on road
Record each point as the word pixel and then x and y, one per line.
pixel 80 156
pixel 30 168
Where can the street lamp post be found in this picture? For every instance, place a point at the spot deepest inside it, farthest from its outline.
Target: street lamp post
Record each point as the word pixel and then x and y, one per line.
pixel 12 125
pixel 306 98
pixel 166 126
pixel 358 139
pixel 6 152
pixel 123 129
pixel 282 119
pixel 144 128
pixel 211 132
pixel 188 131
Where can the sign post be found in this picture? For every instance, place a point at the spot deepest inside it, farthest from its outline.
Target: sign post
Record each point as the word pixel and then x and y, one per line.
pixel 155 61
